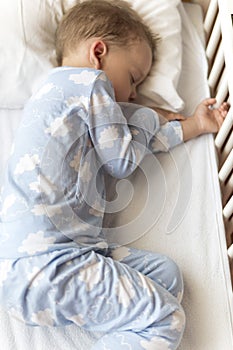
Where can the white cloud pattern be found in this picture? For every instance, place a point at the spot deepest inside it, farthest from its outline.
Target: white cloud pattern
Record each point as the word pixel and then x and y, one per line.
pixel 58 127
pixel 85 78
pixel 90 274
pixel 120 253
pixel 78 319
pixel 178 320
pixel 48 210
pixel 43 91
pixel 85 173
pixel 75 163
pixel 161 142
pixel 125 291
pixel 107 137
pixel 27 163
pixel 100 100
pixel 102 77
pixel 43 318
pixel 178 131
pixel 78 100
pixel 36 242
pixel 43 184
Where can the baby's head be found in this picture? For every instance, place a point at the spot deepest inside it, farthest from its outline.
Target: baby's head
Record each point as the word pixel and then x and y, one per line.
pixel 104 34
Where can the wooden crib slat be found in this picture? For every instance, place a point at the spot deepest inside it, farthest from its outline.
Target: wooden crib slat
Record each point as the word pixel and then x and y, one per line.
pixel 230 252
pixel 225 129
pixel 226 167
pixel 227 38
pixel 213 40
pixel 228 209
pixel 216 69
pixel 227 191
pixel 222 88
pixel 210 16
pixel 228 146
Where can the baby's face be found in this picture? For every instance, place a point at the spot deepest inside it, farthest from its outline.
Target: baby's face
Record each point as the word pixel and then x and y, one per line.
pixel 127 68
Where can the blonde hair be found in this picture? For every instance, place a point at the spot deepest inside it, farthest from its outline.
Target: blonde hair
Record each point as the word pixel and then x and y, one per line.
pixel 115 21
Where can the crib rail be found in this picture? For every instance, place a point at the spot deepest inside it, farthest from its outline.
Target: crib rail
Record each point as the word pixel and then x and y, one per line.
pixel 219 34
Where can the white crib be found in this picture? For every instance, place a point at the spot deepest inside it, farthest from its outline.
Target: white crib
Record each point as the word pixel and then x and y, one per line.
pixel 200 238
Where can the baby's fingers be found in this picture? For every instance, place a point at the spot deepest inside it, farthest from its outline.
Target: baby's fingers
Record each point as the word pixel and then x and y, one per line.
pixel 224 108
pixel 219 117
pixel 209 102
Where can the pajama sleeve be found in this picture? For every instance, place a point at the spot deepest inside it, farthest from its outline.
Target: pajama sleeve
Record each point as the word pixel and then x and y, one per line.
pixel 123 133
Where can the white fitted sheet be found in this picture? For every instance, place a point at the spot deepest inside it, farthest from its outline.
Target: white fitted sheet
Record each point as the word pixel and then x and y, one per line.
pixel 185 184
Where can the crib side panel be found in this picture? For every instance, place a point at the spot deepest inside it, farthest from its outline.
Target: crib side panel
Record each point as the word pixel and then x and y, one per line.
pixel 219 34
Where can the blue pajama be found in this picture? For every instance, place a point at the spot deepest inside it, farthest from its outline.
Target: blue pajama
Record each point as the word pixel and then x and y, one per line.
pixel 56 265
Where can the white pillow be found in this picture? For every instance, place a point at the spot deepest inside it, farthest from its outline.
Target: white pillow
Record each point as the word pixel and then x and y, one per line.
pixel 27 46
pixel 160 88
pixel 27 35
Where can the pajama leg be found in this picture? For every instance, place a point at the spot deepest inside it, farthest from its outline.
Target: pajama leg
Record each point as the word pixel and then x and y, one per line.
pixel 157 267
pixel 99 294
pixel 164 272
pixel 150 316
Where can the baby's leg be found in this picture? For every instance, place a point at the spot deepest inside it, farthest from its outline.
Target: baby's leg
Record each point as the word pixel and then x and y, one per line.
pixel 157 267
pixel 148 316
pixel 99 294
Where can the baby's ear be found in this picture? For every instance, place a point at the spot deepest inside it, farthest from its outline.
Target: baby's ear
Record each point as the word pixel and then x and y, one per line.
pixel 97 52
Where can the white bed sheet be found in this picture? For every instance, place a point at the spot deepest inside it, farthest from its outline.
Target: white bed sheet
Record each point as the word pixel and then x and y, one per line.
pixel 185 181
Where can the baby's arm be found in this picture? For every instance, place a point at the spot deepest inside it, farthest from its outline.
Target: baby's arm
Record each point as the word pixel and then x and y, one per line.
pixel 204 120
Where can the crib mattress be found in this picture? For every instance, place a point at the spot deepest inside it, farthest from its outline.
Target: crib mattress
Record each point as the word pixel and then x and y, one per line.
pixel 175 209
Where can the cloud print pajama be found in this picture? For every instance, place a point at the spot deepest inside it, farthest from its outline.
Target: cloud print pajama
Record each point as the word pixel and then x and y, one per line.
pixel 56 266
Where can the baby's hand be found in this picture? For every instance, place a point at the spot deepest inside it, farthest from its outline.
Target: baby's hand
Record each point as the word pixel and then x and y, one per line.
pixel 208 118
